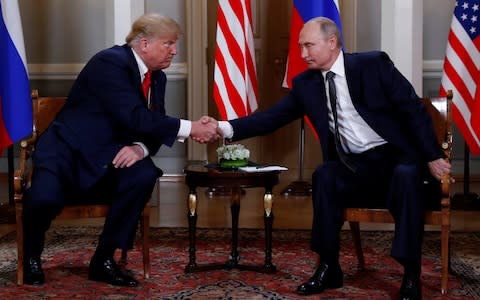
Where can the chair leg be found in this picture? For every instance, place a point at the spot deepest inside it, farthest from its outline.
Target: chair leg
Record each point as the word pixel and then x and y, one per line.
pixel 355 229
pixel 450 271
pixel 20 253
pixel 445 256
pixel 145 234
pixel 145 223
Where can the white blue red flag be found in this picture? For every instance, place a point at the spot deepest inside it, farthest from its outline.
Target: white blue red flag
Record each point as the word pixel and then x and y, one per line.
pixel 15 99
pixel 304 10
pixel 235 76
pixel 461 71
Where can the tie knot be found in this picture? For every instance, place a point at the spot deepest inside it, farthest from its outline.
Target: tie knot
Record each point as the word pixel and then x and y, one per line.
pixel 148 76
pixel 330 75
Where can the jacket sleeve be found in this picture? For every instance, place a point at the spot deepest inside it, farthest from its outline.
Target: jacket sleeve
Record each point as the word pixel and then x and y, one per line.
pixel 411 112
pixel 267 121
pixel 119 95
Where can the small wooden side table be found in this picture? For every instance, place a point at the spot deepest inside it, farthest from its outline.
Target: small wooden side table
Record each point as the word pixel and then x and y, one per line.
pixel 200 176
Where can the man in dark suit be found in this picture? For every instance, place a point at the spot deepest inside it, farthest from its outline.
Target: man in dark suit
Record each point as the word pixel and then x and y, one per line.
pixel 100 143
pixel 377 141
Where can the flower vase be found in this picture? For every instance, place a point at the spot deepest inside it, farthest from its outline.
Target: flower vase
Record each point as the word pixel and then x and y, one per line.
pixel 228 163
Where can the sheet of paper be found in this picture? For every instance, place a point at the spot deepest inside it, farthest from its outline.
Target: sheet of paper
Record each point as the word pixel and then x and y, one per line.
pixel 263 168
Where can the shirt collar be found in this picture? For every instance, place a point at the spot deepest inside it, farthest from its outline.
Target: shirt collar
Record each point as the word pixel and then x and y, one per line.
pixel 142 67
pixel 338 66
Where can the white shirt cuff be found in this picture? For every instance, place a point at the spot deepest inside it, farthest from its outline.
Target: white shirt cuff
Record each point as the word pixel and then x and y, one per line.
pixel 184 131
pixel 226 128
pixel 145 149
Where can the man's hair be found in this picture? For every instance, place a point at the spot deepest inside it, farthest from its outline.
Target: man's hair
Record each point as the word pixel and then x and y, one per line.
pixel 328 28
pixel 152 26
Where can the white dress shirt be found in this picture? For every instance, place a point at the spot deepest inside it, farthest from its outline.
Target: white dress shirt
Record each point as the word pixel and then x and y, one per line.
pixel 356 136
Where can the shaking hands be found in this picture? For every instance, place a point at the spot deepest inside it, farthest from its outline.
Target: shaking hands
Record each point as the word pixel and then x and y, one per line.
pixel 205 130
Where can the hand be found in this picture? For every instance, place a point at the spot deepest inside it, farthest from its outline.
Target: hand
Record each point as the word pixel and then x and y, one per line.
pixel 439 168
pixel 127 156
pixel 205 130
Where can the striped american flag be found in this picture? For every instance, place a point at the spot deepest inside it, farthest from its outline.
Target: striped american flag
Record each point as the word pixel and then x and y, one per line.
pixel 235 76
pixel 461 71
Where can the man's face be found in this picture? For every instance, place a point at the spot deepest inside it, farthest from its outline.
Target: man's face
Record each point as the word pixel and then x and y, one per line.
pixel 158 53
pixel 317 50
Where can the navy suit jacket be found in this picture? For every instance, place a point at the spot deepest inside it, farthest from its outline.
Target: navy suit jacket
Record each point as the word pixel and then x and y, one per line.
pixel 105 111
pixel 380 93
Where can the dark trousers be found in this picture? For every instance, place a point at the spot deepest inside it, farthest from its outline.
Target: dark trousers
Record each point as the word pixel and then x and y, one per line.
pixel 382 179
pixel 127 190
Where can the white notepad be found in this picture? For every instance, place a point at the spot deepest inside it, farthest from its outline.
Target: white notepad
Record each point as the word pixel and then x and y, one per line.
pixel 263 168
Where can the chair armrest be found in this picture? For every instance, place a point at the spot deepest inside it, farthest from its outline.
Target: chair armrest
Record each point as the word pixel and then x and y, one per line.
pixel 23 175
pixel 447 179
pixel 445 190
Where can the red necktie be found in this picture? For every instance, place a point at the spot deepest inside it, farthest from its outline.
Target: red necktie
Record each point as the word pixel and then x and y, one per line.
pixel 146 83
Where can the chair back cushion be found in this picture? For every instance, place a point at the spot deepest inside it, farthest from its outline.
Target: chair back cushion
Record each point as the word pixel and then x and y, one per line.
pixel 44 110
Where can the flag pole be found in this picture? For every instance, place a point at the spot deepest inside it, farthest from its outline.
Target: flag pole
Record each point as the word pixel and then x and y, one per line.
pixel 466 200
pixel 7 210
pixel 10 175
pixel 299 187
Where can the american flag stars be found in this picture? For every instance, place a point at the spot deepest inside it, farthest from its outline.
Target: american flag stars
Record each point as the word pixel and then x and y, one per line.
pixel 468 16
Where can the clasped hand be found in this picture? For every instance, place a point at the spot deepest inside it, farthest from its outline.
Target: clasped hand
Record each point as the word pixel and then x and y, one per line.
pixel 127 156
pixel 205 130
pixel 439 168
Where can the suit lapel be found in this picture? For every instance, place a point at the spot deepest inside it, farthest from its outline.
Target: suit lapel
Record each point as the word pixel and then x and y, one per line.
pixel 353 79
pixel 316 107
pixel 132 64
pixel 157 91
pixel 317 101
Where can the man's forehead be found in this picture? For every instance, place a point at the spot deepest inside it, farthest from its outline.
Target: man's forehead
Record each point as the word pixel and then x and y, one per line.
pixel 167 36
pixel 308 35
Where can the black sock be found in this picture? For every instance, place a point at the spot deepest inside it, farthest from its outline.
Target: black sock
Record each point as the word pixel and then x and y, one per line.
pixel 411 268
pixel 104 252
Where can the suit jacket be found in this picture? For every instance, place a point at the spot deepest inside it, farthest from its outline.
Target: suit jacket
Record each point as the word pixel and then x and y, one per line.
pixel 105 111
pixel 380 93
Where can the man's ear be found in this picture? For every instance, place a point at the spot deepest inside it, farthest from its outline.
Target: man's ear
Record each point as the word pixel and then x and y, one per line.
pixel 332 42
pixel 143 44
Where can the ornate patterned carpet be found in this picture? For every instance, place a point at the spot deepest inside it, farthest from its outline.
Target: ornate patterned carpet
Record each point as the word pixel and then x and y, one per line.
pixel 69 249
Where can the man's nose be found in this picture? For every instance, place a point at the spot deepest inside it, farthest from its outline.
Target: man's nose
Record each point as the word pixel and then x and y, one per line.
pixel 303 52
pixel 174 49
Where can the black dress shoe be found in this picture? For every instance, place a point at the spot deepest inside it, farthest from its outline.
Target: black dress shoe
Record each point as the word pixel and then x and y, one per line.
pixel 326 276
pixel 32 272
pixel 411 288
pixel 106 270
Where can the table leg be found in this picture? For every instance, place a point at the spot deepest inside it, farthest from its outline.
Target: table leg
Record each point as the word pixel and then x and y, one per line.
pixel 192 226
pixel 267 267
pixel 235 210
pixel 268 218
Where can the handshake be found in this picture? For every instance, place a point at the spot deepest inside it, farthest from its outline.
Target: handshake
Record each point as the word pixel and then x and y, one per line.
pixel 205 130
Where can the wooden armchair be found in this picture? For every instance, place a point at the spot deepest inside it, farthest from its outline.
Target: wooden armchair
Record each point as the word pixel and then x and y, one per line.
pixel 439 109
pixel 44 111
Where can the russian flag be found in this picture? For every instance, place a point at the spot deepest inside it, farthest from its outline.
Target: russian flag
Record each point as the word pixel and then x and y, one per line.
pixel 304 10
pixel 15 98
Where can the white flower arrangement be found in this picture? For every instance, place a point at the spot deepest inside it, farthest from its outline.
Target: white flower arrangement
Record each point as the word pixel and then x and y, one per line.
pixel 233 152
